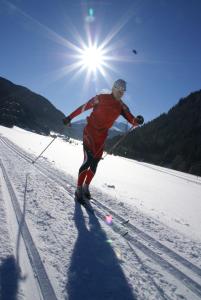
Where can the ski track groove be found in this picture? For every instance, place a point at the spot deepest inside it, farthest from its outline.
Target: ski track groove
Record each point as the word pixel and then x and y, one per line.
pixel 151 240
pixel 46 288
pixel 186 280
pixel 100 212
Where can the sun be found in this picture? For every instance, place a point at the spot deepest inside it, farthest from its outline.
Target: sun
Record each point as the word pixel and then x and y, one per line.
pixel 89 56
pixel 92 58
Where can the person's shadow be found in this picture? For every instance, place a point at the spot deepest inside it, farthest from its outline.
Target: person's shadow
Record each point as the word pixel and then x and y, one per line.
pixel 95 273
pixel 9 278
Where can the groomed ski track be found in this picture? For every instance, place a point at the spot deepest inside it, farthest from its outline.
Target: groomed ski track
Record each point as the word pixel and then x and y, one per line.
pixel 187 273
pixel 36 263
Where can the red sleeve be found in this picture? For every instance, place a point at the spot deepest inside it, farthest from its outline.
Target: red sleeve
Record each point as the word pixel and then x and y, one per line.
pixel 127 115
pixel 88 105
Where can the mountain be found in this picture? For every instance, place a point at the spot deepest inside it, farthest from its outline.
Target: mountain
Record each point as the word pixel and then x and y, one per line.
pixel 21 107
pixel 76 129
pixel 172 140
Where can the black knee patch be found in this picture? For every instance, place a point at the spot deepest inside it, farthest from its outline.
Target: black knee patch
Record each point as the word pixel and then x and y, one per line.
pixel 94 164
pixel 86 164
pixel 90 161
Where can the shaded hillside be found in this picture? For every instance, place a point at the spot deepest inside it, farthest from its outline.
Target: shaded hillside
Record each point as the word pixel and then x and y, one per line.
pixel 171 140
pixel 21 107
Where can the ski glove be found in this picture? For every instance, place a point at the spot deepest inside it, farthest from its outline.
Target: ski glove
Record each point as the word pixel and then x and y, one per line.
pixel 66 121
pixel 140 120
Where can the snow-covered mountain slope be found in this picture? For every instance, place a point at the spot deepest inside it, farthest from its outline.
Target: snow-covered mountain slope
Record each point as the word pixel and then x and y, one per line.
pixel 151 250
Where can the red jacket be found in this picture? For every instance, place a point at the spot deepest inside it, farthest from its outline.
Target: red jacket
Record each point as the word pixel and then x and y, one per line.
pixel 106 109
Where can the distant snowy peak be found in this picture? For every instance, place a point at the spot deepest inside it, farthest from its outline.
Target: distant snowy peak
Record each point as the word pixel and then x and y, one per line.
pixel 118 126
pixel 80 122
pixel 76 130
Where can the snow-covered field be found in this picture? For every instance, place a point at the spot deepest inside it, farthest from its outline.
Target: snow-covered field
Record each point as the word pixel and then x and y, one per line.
pixel 83 256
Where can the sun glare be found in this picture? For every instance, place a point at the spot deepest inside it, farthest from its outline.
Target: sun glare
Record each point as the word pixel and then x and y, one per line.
pixel 92 58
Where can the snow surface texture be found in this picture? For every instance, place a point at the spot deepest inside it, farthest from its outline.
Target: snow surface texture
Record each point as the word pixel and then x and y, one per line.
pixel 83 257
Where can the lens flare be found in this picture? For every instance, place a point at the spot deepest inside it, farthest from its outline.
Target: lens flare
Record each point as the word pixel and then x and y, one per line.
pixel 108 220
pixel 91 12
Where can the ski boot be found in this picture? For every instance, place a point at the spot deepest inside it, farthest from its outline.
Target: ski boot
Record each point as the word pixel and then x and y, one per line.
pixel 79 195
pixel 86 192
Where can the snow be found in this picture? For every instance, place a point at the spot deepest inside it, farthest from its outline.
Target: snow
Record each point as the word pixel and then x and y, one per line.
pixel 117 129
pixel 172 200
pixel 161 202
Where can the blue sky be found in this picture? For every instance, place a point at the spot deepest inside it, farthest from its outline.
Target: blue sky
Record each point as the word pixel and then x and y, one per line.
pixel 39 40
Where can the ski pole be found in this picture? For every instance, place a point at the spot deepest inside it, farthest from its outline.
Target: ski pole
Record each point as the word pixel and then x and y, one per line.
pixel 33 161
pixel 119 141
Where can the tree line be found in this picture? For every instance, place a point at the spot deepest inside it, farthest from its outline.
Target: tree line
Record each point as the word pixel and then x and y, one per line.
pixel 172 140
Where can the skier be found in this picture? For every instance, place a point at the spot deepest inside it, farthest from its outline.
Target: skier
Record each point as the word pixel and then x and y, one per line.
pixel 106 109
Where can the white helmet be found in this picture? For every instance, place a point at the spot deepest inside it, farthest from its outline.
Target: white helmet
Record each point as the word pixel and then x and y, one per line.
pixel 120 84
